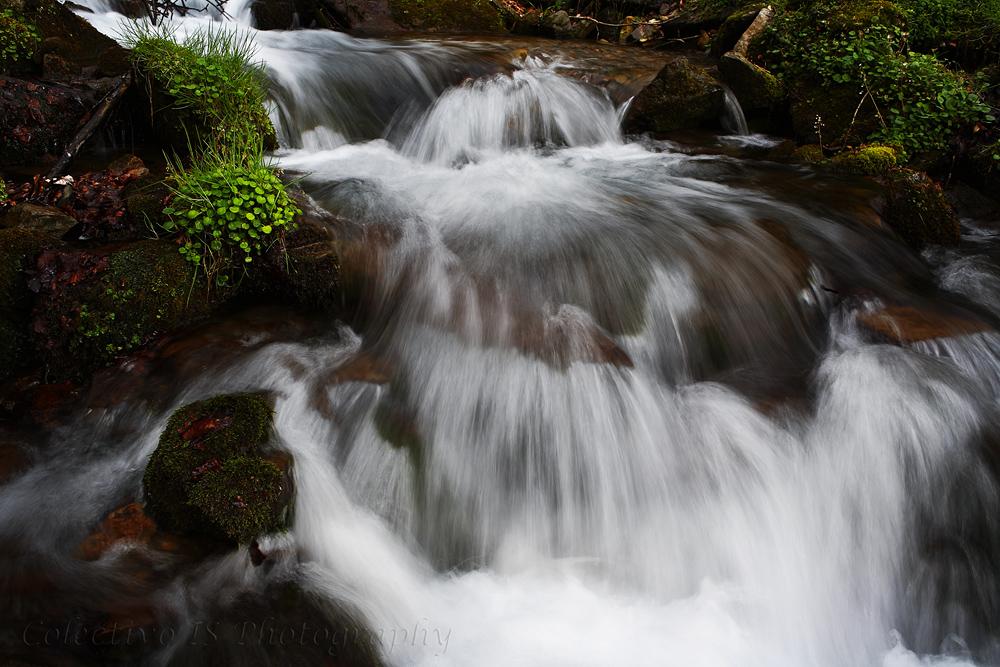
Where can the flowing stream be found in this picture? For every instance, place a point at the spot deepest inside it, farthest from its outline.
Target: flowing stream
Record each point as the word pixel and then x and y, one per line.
pixel 631 412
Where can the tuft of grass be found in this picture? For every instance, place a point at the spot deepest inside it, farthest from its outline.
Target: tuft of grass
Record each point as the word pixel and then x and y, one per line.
pixel 211 73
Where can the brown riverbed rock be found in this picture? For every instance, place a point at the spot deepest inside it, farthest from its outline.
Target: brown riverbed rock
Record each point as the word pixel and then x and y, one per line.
pixel 906 324
pixel 125 523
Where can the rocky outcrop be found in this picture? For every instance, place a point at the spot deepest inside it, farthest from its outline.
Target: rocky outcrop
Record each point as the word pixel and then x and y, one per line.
pixel 18 249
pixel 680 96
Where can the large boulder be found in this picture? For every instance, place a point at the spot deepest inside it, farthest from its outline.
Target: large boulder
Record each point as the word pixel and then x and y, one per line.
pixel 46 219
pixel 207 474
pixel 681 96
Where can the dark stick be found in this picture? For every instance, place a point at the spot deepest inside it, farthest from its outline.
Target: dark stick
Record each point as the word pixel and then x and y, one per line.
pixel 100 114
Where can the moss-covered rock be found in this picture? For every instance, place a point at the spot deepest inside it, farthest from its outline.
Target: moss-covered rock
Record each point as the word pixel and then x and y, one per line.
pixel 448 15
pixel 755 87
pixel 873 160
pixel 809 153
pixel 206 474
pixel 18 249
pixel 95 305
pixel 681 96
pixel 917 210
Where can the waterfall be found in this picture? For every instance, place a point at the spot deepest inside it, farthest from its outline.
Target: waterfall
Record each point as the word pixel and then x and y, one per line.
pixel 734 120
pixel 629 420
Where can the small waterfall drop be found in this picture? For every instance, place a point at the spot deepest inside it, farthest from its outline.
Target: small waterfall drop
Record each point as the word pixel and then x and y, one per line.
pixel 734 120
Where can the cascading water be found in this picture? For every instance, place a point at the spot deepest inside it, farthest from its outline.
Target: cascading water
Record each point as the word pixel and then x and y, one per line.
pixel 632 416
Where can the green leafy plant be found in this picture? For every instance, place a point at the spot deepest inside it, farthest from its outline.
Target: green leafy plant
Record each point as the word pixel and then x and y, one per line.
pixel 918 102
pixel 3 191
pixel 18 39
pixel 230 207
pixel 210 73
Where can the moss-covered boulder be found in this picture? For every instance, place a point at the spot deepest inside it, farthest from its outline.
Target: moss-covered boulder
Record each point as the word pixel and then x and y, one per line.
pixel 755 87
pixel 680 96
pixel 917 210
pixel 95 305
pixel 809 153
pixel 18 249
pixel 207 476
pixel 448 15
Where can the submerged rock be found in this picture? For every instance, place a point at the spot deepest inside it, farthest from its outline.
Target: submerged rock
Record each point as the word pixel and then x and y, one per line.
pixel 128 523
pixel 906 324
pixel 207 475
pixel 681 96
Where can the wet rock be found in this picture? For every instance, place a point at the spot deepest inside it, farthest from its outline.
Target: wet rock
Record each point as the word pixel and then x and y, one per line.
pixel 47 220
pixel 36 120
pixel 754 87
pixel 96 304
pixel 207 476
pixel 52 404
pixel 114 62
pixel 681 96
pixel 289 14
pixel 125 523
pixel 18 249
pixel 916 209
pixel 57 68
pixel 447 15
pixel 364 368
pixel 906 324
pixel 306 267
pixel 366 16
pixel 542 23
pixel 968 202
pixel 783 150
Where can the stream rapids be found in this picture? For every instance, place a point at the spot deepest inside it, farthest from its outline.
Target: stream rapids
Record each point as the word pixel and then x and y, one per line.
pixel 632 409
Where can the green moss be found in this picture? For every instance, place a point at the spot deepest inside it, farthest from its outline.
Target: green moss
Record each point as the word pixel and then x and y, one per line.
pixel 206 457
pixel 681 96
pixel 916 209
pixel 241 497
pixel 141 289
pixel 808 153
pixel 18 248
pixel 457 15
pixel 870 160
